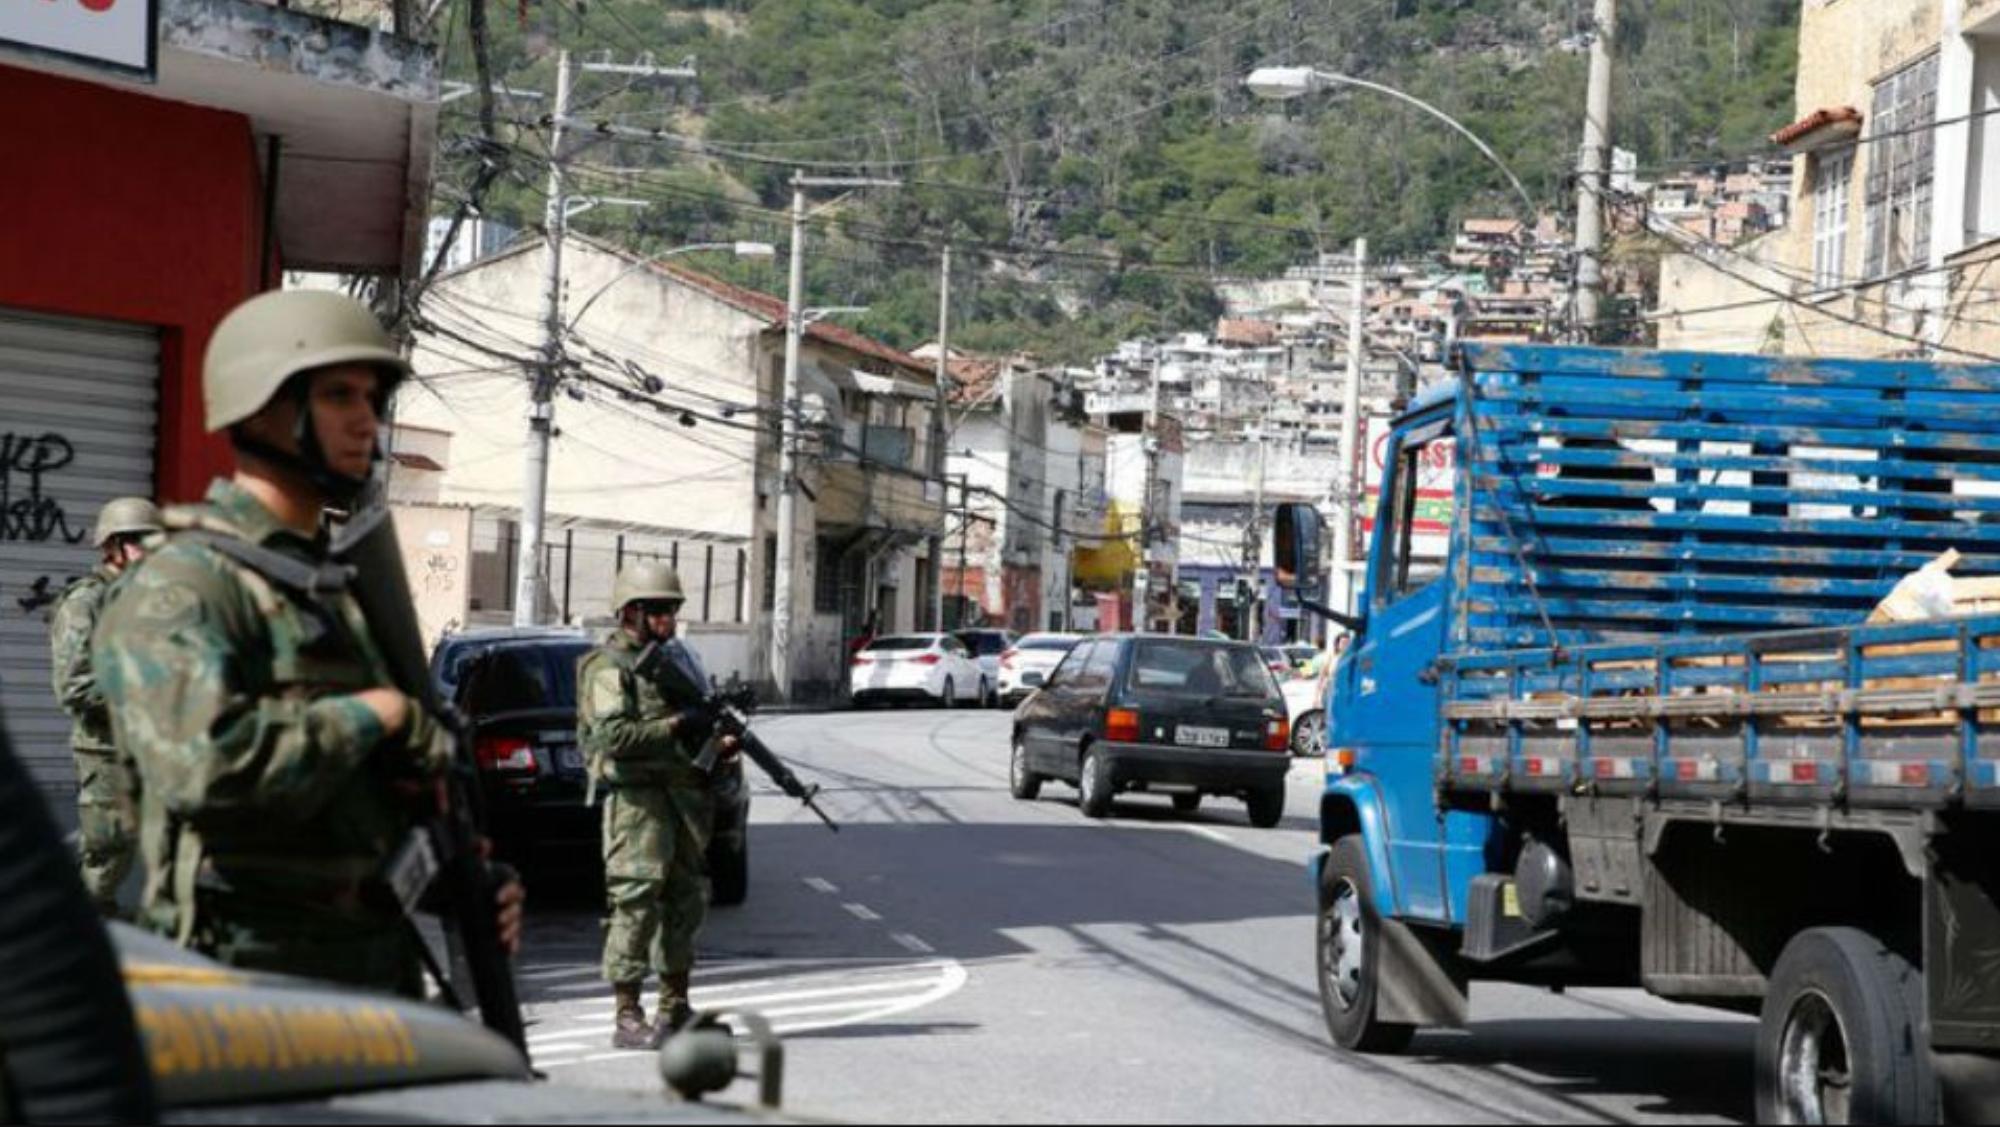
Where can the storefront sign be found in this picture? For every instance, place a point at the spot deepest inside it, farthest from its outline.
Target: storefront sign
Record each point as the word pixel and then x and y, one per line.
pixel 118 35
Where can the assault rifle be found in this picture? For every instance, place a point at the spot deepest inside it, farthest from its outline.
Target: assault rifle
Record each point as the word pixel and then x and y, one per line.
pixel 445 848
pixel 675 670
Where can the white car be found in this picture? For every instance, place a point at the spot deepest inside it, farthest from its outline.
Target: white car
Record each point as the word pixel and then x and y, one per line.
pixel 1305 703
pixel 933 668
pixel 1027 663
pixel 987 643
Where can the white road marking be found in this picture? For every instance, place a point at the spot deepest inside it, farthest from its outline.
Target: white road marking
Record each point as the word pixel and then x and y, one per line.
pixel 861 912
pixel 820 884
pixel 1209 833
pixel 912 943
pixel 797 1003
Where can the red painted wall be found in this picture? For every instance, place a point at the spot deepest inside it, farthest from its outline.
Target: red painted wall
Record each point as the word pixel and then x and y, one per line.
pixel 125 207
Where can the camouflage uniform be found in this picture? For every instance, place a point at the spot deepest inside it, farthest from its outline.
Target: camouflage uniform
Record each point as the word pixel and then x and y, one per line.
pixel 267 805
pixel 106 802
pixel 656 818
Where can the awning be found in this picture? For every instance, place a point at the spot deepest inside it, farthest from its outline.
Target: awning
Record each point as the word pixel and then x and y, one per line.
pixel 1819 129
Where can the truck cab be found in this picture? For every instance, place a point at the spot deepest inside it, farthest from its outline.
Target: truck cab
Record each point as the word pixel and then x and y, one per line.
pixel 1623 709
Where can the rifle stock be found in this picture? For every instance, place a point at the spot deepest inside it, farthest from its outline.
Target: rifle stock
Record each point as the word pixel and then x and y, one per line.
pixel 368 545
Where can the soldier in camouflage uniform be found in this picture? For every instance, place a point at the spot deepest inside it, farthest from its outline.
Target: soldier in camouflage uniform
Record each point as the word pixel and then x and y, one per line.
pixel 279 770
pixel 657 813
pixel 106 799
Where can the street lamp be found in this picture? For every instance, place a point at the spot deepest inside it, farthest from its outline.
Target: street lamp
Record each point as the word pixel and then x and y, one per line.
pixel 1285 83
pixel 739 248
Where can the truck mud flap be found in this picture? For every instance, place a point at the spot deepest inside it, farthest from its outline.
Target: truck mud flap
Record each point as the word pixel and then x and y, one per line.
pixel 1422 982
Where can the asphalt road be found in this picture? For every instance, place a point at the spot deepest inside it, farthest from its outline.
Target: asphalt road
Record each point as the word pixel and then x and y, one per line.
pixel 954 955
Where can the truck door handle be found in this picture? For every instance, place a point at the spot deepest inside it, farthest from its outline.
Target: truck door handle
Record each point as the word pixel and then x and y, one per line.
pixel 1428 675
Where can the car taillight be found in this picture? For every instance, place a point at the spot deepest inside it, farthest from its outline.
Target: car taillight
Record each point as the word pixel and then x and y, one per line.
pixel 1277 735
pixel 1007 659
pixel 929 659
pixel 1121 725
pixel 505 753
pixel 863 659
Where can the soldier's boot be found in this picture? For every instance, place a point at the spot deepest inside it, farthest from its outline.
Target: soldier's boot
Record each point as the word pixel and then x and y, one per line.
pixel 675 1012
pixel 630 1030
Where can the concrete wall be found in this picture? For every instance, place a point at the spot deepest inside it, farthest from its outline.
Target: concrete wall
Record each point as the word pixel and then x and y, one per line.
pixel 1709 309
pixel 437 558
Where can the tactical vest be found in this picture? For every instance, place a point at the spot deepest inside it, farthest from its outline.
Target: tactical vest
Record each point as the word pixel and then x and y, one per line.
pixel 642 701
pixel 279 586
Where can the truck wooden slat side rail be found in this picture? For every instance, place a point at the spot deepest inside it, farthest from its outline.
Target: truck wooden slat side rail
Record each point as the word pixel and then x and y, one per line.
pixel 1628 722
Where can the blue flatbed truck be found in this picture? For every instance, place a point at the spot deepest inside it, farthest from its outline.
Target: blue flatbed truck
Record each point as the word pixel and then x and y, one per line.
pixel 1630 725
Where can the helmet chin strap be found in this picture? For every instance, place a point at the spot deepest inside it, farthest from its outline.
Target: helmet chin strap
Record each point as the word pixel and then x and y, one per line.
pixel 340 490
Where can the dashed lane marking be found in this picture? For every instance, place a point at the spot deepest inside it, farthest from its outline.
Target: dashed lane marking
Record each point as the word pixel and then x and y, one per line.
pixel 861 912
pixel 911 943
pixel 820 884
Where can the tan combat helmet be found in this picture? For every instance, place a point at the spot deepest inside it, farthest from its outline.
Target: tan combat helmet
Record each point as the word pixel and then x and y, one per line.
pixel 125 516
pixel 275 336
pixel 644 579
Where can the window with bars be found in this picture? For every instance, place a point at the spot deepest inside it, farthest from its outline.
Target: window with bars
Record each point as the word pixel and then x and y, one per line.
pixel 1898 216
pixel 1833 174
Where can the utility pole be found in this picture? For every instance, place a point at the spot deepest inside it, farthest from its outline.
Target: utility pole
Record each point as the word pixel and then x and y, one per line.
pixel 541 404
pixel 1253 543
pixel 786 564
pixel 1592 161
pixel 531 560
pixel 1351 475
pixel 1149 443
pixel 937 433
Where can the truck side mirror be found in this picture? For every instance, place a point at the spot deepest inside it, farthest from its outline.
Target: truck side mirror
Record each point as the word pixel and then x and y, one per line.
pixel 1295 537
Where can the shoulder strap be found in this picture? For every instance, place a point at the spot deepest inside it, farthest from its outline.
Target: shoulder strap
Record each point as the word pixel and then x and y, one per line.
pixel 294 575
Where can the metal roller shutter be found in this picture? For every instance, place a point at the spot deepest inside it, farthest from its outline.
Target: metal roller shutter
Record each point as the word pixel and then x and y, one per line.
pixel 78 415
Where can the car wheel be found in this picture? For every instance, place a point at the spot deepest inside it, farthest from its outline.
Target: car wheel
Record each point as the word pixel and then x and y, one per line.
pixel 950 699
pixel 988 697
pixel 728 871
pixel 1021 782
pixel 1309 736
pixel 1093 786
pixel 1187 803
pixel 1841 1038
pixel 1349 955
pixel 1267 806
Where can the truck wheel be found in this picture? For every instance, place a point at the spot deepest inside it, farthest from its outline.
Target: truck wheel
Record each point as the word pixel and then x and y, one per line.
pixel 1021 782
pixel 1267 806
pixel 728 872
pixel 1841 1038
pixel 1350 964
pixel 1093 786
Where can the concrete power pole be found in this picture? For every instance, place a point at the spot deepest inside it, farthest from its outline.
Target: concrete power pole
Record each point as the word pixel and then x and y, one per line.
pixel 938 463
pixel 1253 543
pixel 531 583
pixel 1149 444
pixel 541 408
pixel 1592 163
pixel 786 564
pixel 1352 476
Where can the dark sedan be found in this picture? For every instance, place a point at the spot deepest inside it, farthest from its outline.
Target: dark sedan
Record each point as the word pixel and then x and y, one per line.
pixel 517 688
pixel 1157 713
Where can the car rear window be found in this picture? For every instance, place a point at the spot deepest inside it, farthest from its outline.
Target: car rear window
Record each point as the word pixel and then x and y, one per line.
pixel 516 678
pixel 1061 644
pixel 983 643
pixel 904 642
pixel 1180 668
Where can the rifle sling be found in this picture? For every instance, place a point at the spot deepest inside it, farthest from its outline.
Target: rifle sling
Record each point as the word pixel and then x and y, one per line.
pixel 291 573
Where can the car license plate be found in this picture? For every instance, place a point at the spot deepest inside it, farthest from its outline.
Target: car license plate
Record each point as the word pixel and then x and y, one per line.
pixel 1201 737
pixel 569 759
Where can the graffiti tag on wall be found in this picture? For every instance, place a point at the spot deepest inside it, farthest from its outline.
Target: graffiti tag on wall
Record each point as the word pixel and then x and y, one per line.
pixel 27 513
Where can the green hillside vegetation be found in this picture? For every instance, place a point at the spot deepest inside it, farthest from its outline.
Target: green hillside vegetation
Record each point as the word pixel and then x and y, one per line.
pixel 1097 162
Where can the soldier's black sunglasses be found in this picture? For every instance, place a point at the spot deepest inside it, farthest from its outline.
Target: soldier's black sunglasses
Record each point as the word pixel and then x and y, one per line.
pixel 661 606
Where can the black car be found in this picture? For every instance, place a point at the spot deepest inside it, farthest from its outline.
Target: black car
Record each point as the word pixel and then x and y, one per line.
pixel 520 700
pixel 1158 713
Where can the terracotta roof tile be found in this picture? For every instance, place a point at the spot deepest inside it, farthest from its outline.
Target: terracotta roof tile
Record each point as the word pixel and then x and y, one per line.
pixel 1815 121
